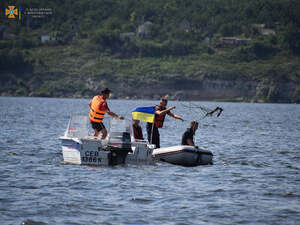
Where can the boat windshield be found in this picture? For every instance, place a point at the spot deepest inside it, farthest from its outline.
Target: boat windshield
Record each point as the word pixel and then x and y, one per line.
pixel 116 125
pixel 78 126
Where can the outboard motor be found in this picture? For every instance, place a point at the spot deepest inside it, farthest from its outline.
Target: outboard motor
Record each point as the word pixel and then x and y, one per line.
pixel 119 144
pixel 118 141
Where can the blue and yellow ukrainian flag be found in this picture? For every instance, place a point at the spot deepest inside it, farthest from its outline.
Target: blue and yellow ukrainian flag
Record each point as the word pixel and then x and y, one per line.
pixel 145 114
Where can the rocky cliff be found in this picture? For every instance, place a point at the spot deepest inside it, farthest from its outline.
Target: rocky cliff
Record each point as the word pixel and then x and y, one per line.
pixel 210 88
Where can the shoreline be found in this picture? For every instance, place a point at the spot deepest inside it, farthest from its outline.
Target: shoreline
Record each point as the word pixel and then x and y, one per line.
pixel 259 101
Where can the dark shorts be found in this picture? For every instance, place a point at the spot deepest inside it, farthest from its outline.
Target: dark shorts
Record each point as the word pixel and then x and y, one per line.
pixel 98 126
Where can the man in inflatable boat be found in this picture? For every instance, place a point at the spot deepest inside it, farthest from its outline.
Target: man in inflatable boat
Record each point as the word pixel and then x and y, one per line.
pixel 188 136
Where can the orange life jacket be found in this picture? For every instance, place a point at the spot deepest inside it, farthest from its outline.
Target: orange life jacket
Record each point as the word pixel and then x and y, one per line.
pixel 159 119
pixel 96 115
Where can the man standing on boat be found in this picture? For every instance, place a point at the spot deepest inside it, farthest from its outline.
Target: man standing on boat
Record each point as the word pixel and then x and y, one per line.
pixel 98 108
pixel 160 114
pixel 188 136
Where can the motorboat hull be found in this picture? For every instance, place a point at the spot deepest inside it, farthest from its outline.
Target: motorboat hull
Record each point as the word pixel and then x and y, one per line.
pixel 90 151
pixel 184 155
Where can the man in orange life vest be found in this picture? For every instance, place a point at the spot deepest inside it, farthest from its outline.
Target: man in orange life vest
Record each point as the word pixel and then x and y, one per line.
pixel 160 114
pixel 98 108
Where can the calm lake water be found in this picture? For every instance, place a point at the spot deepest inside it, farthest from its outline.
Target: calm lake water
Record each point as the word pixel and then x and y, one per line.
pixel 254 180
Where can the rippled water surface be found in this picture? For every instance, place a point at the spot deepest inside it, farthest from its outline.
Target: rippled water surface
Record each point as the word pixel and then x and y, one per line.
pixel 254 180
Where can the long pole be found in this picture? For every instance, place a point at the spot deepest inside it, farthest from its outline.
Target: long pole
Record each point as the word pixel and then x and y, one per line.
pixel 152 131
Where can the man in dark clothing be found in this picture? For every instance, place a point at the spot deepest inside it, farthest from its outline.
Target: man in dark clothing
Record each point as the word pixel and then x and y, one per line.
pixel 160 113
pixel 188 136
pixel 137 130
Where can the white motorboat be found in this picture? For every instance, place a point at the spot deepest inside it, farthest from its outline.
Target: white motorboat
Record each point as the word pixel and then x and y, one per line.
pixel 183 155
pixel 78 147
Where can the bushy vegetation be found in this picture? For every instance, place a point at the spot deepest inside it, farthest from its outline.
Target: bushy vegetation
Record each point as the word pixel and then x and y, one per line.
pixel 183 38
pixel 103 21
pixel 13 60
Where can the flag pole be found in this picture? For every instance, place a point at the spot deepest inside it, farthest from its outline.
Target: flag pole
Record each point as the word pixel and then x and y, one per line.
pixel 152 130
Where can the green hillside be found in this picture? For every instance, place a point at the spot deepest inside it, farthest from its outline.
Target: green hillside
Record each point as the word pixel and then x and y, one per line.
pixel 236 50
